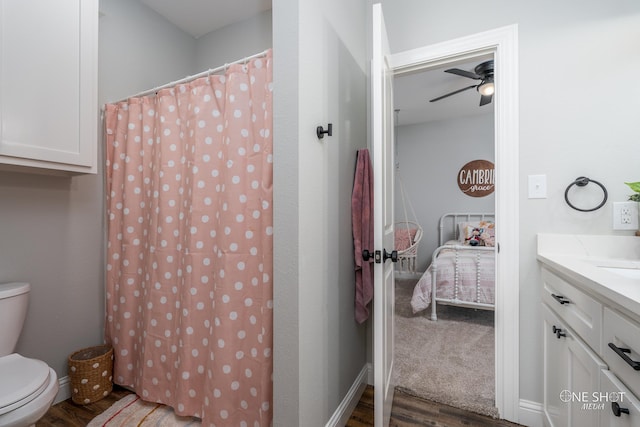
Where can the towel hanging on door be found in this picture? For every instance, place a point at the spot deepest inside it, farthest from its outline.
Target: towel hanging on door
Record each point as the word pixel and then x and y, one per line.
pixel 362 225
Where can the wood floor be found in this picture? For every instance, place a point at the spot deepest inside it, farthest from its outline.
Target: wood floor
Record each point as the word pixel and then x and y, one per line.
pixel 69 414
pixel 412 411
pixel 406 411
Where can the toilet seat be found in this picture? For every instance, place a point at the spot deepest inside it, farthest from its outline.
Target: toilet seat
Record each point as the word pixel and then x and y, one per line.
pixel 23 379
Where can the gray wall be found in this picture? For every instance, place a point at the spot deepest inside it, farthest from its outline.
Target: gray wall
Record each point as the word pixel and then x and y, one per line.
pixel 578 116
pixel 233 42
pixel 51 228
pixel 139 50
pixel 429 156
pixel 51 236
pixel 320 78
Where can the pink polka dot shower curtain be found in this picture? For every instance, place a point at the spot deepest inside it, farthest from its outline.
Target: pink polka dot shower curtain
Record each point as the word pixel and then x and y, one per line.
pixel 190 250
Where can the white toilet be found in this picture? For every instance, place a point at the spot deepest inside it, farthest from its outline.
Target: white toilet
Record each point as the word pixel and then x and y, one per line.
pixel 27 386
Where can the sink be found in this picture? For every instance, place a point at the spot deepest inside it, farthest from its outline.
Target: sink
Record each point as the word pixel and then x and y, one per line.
pixel 631 273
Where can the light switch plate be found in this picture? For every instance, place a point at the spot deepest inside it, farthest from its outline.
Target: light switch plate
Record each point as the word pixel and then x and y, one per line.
pixel 537 186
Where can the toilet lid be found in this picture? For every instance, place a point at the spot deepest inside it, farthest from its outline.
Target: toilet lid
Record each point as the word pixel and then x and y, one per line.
pixel 22 380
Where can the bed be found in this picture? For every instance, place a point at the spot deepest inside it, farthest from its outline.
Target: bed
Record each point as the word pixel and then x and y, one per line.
pixel 462 270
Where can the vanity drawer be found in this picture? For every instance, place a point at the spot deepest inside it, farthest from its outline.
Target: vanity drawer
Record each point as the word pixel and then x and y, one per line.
pixel 581 312
pixel 624 359
pixel 617 400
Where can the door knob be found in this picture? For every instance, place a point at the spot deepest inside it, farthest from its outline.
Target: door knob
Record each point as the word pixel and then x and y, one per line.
pixel 393 256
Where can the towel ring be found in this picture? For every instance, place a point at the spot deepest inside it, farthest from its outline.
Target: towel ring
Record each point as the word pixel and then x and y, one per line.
pixel 581 182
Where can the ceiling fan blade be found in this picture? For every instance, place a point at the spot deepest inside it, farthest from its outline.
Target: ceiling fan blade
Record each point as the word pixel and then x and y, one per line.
pixel 485 99
pixel 463 73
pixel 452 93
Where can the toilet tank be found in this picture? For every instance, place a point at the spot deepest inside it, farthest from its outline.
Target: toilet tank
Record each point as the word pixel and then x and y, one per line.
pixel 14 298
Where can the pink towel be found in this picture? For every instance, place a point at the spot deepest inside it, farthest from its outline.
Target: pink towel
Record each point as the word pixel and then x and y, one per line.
pixel 362 224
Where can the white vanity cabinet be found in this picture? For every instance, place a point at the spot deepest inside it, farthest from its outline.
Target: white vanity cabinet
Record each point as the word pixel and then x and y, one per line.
pixel 570 367
pixel 48 85
pixel 591 357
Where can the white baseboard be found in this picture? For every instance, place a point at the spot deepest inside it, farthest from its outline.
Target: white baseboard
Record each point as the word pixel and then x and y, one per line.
pixel 531 413
pixel 64 389
pixel 345 409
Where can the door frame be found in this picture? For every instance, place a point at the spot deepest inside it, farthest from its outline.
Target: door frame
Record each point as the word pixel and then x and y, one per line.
pixel 503 43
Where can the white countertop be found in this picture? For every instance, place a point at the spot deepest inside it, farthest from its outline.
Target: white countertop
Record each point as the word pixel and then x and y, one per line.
pixel 581 258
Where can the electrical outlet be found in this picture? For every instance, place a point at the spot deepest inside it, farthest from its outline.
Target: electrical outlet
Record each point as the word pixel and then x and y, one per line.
pixel 625 216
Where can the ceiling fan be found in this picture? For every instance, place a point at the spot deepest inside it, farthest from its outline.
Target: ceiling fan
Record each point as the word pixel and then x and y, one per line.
pixel 484 73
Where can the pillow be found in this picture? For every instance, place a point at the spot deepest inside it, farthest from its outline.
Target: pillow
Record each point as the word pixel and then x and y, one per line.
pixel 404 238
pixel 469 233
pixel 462 228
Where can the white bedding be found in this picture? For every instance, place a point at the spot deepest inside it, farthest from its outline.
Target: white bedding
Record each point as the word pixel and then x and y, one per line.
pixel 467 279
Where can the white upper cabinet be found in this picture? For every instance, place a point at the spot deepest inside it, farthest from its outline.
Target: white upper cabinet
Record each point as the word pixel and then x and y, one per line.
pixel 48 85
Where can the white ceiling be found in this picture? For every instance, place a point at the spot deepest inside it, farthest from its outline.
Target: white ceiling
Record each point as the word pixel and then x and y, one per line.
pixel 412 92
pixel 199 17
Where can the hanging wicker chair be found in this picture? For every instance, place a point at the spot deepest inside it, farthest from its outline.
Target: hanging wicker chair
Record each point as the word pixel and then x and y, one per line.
pixel 407 237
pixel 407 233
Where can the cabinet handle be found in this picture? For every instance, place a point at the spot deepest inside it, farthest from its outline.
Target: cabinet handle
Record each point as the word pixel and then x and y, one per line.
pixel 617 410
pixel 558 332
pixel 561 299
pixel 622 353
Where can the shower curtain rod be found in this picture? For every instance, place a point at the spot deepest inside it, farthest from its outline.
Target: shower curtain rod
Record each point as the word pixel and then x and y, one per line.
pixel 193 77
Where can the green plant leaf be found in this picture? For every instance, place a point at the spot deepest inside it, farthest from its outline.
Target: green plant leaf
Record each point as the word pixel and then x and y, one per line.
pixel 635 186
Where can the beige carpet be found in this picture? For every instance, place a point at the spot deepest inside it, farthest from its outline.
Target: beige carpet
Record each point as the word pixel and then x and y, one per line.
pixel 449 361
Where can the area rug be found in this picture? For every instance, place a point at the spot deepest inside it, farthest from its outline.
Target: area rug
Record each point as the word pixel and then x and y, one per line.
pixel 133 411
pixel 449 361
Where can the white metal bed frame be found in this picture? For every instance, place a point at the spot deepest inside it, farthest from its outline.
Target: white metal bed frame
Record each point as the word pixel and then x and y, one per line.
pixel 453 220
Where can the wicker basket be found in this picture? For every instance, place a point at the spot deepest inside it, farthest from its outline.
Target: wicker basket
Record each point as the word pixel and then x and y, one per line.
pixel 91 374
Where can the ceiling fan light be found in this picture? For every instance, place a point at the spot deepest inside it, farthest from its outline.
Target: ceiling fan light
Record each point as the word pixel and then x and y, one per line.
pixel 487 88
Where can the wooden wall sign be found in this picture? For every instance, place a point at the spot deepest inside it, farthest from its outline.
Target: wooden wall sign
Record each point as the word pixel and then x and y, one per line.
pixel 476 178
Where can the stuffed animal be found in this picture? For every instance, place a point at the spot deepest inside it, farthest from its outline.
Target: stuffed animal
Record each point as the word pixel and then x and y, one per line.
pixel 487 239
pixel 474 238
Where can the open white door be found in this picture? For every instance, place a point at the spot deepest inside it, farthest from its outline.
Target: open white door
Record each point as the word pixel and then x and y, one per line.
pixel 383 185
